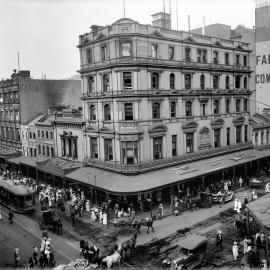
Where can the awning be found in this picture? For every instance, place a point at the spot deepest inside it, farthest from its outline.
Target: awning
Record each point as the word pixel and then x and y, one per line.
pixel 31 161
pixel 132 184
pixel 260 210
pixel 9 153
pixel 58 166
pixel 16 160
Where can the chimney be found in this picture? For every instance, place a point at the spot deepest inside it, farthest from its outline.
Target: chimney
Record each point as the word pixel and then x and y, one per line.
pixel 203 26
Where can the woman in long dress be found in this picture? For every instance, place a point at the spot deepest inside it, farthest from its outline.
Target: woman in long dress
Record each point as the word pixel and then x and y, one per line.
pixel 105 218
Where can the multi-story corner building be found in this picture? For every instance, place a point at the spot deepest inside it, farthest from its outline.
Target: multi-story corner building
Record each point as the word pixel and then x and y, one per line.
pixel 29 137
pixel 23 98
pixel 68 134
pixel 153 96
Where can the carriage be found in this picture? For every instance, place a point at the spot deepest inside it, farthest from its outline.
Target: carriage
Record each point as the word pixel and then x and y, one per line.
pixel 49 220
pixel 206 199
pixel 223 197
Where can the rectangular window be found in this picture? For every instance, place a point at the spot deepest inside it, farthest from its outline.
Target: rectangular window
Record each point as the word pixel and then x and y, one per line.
pixel 238 134
pixel 47 135
pixel 104 52
pixel 108 150
pixel 127 81
pixel 90 84
pixel 34 135
pixel 256 139
pixel 216 138
pixel 201 56
pixel 154 50
pixel 228 136
pixel 204 56
pixel 42 134
pixel 244 60
pixel 51 135
pixel 126 49
pixel 174 145
pixel 246 133
pixel 128 111
pixel 89 55
pixel 171 53
pixel 157 148
pixel 262 138
pixel 93 147
pixel 237 60
pixel 227 59
pixel 173 108
pixel 188 54
pixel 38 134
pixel 189 142
pixel 129 152
pixel 203 109
pixel 52 152
pixel 227 106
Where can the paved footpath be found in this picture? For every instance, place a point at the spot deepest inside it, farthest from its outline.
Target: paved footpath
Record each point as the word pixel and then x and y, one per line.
pixel 171 224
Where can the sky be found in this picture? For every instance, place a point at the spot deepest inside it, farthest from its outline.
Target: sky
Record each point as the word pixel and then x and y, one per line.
pixel 45 32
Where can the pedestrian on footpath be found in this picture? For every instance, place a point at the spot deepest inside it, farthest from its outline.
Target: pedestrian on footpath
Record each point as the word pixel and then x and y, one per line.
pixel 219 240
pixel 17 257
pixel 10 217
pixel 235 251
pixel 160 211
pixel 35 255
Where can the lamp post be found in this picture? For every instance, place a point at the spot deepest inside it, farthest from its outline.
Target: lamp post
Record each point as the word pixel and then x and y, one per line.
pixel 95 182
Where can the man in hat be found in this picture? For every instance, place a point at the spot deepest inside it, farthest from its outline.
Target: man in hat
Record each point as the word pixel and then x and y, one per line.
pixel 235 251
pixel 10 217
pixel 17 257
pixel 246 199
pixel 160 211
pixel 219 240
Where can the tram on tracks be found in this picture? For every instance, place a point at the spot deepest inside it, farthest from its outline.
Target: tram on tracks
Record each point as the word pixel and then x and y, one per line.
pixel 17 197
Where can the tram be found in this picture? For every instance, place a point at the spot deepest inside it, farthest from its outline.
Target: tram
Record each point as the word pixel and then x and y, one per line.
pixel 17 197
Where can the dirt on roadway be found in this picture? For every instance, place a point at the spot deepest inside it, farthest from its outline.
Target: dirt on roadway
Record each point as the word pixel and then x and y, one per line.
pixel 150 256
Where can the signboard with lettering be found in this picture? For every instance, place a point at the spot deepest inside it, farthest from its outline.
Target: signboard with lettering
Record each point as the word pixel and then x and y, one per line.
pixel 262 77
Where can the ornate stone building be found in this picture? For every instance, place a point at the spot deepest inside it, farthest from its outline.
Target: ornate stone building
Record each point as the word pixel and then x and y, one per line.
pixel 153 97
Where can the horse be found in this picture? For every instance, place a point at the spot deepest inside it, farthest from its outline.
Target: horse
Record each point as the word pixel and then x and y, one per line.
pixel 111 260
pixel 194 202
pixel 129 245
pixel 241 227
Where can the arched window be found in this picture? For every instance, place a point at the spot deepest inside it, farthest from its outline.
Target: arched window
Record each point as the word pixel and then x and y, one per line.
pixel 237 82
pixel 245 82
pixel 172 81
pixel 154 81
pixel 106 83
pixel 107 112
pixel 92 112
pixel 187 81
pixel 238 105
pixel 227 82
pixel 215 81
pixel 188 108
pixel 156 110
pixel 216 107
pixel 202 81
pixel 90 84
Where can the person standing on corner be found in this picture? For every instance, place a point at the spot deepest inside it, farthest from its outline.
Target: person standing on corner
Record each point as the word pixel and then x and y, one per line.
pixel 10 217
pixel 219 240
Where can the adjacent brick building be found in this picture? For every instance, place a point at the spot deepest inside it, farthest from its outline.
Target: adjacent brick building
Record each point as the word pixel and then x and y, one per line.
pixel 23 98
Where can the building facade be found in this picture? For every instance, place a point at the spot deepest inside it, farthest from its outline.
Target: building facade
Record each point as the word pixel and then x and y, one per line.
pixel 68 133
pixel 262 32
pixel 23 98
pixel 154 96
pixel 29 137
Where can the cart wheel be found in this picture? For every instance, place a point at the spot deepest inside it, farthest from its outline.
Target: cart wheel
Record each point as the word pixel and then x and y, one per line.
pixel 203 260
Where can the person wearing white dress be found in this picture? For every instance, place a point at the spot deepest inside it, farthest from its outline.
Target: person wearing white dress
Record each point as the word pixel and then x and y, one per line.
pixel 105 219
pixel 245 245
pixel 235 205
pixel 235 251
